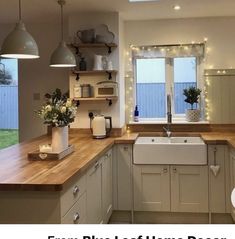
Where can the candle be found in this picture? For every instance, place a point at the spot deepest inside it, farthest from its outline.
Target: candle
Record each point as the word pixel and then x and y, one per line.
pixel 45 148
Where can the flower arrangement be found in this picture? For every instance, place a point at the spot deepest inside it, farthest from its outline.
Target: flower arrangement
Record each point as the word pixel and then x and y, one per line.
pixel 58 110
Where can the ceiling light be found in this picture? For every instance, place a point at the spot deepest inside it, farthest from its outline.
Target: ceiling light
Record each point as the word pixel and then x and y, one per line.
pixel 62 56
pixel 19 43
pixel 176 7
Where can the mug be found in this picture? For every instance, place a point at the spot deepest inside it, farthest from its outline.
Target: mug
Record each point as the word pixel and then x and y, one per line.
pixel 100 39
pixel 86 36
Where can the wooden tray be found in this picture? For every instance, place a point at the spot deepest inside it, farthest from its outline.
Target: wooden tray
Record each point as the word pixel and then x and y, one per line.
pixel 37 155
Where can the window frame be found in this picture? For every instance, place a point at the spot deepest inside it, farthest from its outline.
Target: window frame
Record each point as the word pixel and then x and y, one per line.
pixel 169 75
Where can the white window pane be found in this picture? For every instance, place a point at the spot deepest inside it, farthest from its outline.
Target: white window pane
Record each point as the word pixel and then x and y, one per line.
pixel 185 75
pixel 150 88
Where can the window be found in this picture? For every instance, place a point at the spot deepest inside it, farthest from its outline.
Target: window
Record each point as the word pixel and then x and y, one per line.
pixel 158 77
pixel 8 102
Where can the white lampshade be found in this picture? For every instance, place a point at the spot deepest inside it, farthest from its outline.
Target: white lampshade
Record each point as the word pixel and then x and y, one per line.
pixel 19 44
pixel 62 56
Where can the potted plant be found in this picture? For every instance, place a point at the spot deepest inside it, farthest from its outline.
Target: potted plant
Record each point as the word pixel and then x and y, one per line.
pixel 58 111
pixel 192 95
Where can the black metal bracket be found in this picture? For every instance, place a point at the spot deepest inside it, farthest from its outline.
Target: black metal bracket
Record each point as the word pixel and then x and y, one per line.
pixel 109 48
pixel 77 76
pixel 110 102
pixel 109 75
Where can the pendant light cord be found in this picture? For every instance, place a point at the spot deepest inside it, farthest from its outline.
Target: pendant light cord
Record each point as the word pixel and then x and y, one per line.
pixel 61 3
pixel 20 10
pixel 62 23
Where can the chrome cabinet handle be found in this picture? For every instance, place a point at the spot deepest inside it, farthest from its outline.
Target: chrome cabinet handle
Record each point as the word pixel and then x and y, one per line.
pixel 76 217
pixel 75 190
pixel 165 170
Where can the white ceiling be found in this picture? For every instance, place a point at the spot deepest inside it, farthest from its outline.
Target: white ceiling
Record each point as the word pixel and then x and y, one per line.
pixel 48 10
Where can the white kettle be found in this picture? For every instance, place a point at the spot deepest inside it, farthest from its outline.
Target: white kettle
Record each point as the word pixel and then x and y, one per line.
pixel 98 126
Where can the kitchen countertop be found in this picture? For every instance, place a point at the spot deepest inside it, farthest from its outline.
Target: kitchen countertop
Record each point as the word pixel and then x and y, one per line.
pixel 19 173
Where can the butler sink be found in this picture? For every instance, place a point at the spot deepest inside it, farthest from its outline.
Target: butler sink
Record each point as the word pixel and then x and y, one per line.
pixel 173 150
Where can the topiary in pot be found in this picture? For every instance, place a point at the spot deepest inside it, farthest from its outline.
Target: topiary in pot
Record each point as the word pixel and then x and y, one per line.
pixel 192 95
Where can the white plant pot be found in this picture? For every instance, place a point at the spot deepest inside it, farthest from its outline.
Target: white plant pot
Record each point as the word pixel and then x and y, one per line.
pixel 193 115
pixel 60 139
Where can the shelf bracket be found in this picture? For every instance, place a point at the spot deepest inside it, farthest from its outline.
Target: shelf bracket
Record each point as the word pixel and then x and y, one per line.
pixel 110 102
pixel 77 76
pixel 109 75
pixel 109 48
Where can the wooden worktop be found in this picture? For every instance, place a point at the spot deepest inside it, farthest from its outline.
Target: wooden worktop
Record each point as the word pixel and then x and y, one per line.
pixel 19 173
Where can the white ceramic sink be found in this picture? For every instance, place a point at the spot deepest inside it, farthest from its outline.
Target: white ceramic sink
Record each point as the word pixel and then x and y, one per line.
pixel 174 150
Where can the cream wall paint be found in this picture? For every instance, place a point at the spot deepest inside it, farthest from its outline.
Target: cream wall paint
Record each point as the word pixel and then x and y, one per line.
pixel 219 32
pixel 35 76
pixel 93 20
pixel 220 48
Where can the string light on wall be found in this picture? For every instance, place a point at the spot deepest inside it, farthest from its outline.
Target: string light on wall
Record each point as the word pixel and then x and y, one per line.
pixel 194 49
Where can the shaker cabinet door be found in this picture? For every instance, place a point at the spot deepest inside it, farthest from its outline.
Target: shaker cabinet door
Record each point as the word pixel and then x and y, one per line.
pixel 151 188
pixel 94 190
pixel 107 191
pixel 189 188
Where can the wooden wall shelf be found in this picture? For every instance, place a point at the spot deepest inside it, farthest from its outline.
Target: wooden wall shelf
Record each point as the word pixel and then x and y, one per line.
pixel 109 46
pixel 109 99
pixel 78 73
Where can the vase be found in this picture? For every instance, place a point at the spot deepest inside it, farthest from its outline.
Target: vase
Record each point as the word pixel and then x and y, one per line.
pixel 193 115
pixel 60 139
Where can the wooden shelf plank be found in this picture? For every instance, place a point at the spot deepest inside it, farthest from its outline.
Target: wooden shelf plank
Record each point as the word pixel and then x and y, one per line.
pixel 96 99
pixel 94 72
pixel 94 45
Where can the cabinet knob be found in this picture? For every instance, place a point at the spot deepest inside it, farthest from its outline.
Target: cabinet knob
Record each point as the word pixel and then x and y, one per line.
pixel 76 217
pixel 75 190
pixel 174 170
pixel 165 170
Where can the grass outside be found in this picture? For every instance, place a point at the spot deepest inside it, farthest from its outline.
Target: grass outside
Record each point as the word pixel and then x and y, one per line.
pixel 8 137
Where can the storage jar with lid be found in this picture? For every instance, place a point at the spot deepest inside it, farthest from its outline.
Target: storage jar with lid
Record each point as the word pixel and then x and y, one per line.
pixel 86 90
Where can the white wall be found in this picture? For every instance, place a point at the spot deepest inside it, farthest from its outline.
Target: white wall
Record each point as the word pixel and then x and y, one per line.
pixel 219 31
pixel 93 20
pixel 35 76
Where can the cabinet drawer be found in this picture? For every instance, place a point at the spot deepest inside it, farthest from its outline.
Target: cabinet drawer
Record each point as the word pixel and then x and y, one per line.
pixel 72 193
pixel 77 214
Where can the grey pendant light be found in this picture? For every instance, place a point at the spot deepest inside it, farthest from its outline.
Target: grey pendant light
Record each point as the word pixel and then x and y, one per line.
pixel 19 43
pixel 62 56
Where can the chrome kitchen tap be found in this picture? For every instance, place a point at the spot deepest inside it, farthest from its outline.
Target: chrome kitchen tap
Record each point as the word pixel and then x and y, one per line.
pixel 169 117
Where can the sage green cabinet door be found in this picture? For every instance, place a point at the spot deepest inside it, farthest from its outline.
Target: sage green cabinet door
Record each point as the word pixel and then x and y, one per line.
pixel 123 177
pixel 151 188
pixel 218 181
pixel 189 188
pixel 94 190
pixel 232 172
pixel 107 186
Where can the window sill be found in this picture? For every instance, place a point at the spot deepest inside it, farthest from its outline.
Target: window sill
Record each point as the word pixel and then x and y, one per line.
pixel 174 121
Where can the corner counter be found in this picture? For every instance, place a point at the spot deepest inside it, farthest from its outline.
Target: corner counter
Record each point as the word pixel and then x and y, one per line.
pixel 18 173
